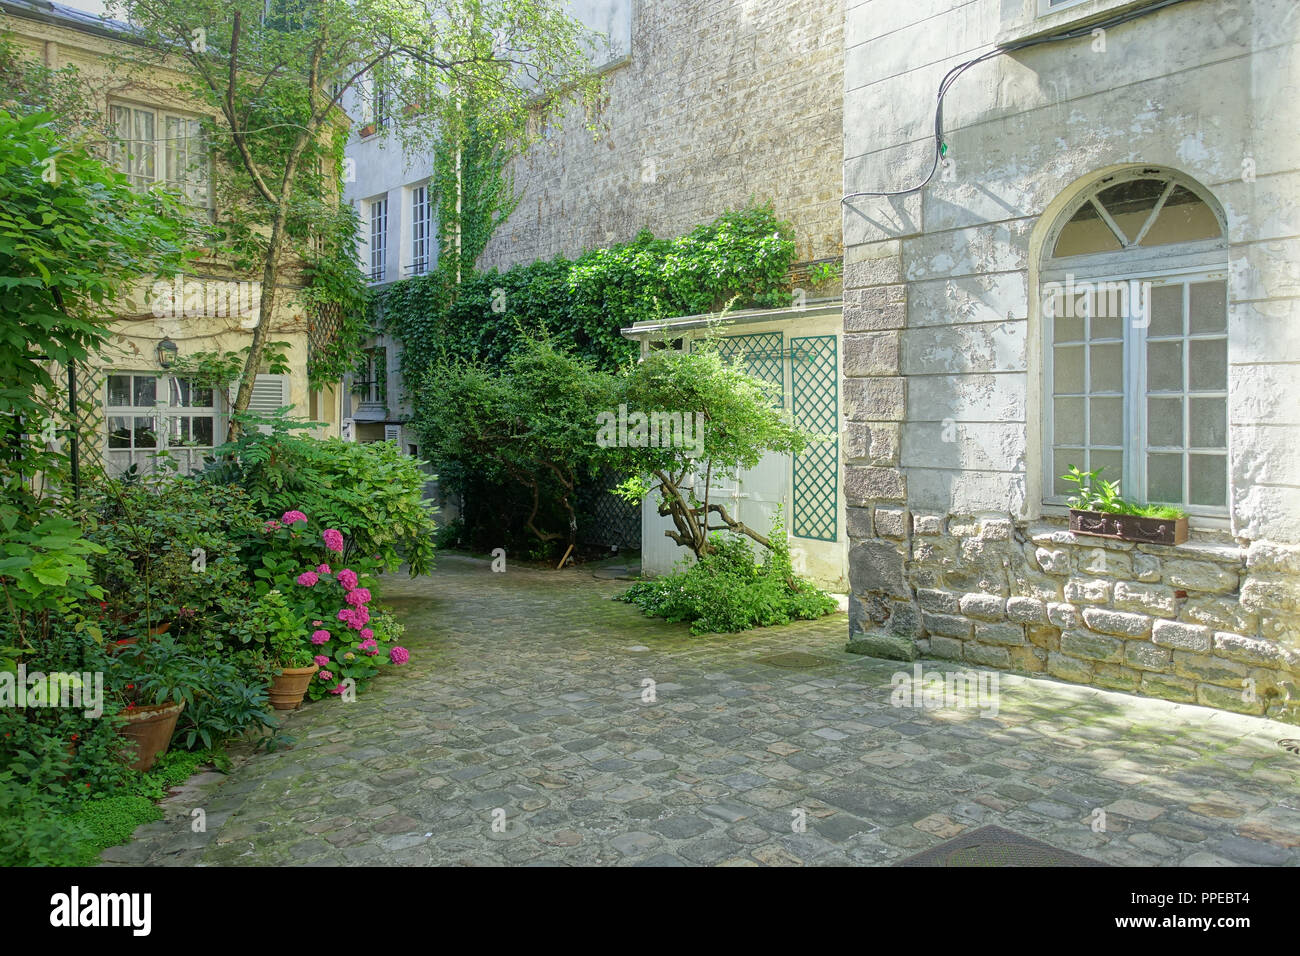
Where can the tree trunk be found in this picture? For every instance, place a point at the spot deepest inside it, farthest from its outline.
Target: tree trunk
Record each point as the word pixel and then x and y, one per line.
pixel 266 308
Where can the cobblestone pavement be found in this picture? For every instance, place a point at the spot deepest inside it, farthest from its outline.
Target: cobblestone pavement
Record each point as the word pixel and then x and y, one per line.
pixel 524 695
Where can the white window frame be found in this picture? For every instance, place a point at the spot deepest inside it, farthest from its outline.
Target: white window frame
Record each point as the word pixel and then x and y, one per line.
pixel 377 244
pixel 121 159
pixel 1183 263
pixel 163 412
pixel 422 259
pixel 376 375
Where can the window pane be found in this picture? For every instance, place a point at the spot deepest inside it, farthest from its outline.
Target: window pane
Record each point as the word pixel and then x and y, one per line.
pixel 1107 368
pixel 119 390
pixel 1166 310
pixel 178 429
pixel 1209 306
pixel 1208 480
pixel 1183 218
pixel 146 391
pixel 201 430
pixel 119 431
pixel 1107 328
pixel 1068 369
pixel 1130 203
pixel 146 435
pixel 1165 422
pixel 1066 328
pixel 1165 478
pixel 201 398
pixel 1209 423
pixel 1085 233
pixel 1067 421
pixel 1106 421
pixel 1208 364
pixel 180 391
pixel 1062 459
pixel 1165 366
pixel 1111 464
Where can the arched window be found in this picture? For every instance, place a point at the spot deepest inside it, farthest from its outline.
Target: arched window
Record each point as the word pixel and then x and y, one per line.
pixel 1134 296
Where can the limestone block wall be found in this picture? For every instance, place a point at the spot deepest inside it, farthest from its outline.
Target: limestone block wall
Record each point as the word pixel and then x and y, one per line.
pixel 719 103
pixel 954 552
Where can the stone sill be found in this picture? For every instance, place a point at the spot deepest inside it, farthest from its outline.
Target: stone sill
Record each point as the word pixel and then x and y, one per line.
pixel 1209 546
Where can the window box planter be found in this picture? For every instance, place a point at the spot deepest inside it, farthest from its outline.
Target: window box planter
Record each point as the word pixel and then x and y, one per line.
pixel 1103 524
pixel 368 130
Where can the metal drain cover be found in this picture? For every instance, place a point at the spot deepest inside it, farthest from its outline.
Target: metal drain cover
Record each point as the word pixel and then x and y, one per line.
pixel 795 660
pixel 994 846
pixel 1290 745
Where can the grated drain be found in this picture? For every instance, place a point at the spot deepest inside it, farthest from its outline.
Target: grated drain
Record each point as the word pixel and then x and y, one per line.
pixel 1291 745
pixel 795 660
pixel 995 846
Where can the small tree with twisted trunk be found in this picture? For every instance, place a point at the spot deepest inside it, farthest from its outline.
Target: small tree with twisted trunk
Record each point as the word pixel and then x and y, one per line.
pixel 739 424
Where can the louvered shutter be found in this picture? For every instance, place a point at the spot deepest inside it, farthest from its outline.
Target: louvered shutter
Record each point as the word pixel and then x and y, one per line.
pixel 270 392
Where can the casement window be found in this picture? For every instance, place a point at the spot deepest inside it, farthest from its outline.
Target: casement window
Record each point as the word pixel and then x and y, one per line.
pixel 371 385
pixel 157 147
pixel 1134 304
pixel 147 414
pixel 378 239
pixel 421 231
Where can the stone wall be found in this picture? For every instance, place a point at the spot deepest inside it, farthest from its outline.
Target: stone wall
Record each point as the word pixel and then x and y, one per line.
pixel 944 375
pixel 1204 622
pixel 721 102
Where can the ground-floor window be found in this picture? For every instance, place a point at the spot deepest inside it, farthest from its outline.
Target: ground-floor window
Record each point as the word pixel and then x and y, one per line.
pixel 148 414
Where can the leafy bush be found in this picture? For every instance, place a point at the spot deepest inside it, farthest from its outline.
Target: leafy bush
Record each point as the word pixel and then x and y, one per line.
pixel 727 591
pixel 109 822
pixel 370 492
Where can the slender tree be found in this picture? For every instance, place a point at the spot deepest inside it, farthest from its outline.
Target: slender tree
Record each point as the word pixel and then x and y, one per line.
pixel 277 76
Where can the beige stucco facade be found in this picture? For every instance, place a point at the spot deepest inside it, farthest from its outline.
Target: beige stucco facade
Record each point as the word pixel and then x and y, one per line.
pixel 213 313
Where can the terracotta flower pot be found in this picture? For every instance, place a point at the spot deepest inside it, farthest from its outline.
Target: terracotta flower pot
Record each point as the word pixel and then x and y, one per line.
pixel 290 686
pixel 151 729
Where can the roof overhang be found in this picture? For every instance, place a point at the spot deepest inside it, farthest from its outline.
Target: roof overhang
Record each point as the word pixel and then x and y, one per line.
pixel 651 328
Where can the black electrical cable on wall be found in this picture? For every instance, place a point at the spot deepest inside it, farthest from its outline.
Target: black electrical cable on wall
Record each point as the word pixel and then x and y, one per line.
pixel 940 147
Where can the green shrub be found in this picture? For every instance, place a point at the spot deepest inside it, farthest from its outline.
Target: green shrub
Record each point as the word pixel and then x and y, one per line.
pixel 372 493
pixel 109 822
pixel 727 591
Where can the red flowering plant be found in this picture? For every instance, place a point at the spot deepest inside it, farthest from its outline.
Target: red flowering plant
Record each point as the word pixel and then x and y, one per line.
pixel 351 639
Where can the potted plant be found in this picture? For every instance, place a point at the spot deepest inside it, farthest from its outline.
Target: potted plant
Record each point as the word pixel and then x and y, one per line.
pixel 1098 509
pixel 155 680
pixel 292 661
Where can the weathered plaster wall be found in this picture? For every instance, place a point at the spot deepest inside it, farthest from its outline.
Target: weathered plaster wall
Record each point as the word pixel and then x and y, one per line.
pixel 944 384
pixel 720 102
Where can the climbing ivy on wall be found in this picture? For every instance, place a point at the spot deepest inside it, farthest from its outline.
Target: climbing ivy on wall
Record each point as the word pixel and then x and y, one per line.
pixel 742 257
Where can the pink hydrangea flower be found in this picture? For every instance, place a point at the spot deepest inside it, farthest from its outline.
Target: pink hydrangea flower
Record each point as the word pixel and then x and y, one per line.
pixel 333 540
pixel 325 675
pixel 338 688
pixel 307 578
pixel 373 652
pixel 361 615
pixel 348 578
pixel 367 635
pixel 293 517
pixel 358 597
pixel 320 637
pixel 368 643
pixel 270 524
pixel 321 659
pixel 317 623
pixel 323 569
pixel 399 655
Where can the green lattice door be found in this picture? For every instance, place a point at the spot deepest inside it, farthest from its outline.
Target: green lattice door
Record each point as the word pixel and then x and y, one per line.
pixel 814 403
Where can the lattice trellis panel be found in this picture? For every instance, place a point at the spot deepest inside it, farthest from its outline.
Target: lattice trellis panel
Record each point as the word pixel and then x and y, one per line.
pixel 762 352
pixel 604 518
pixel 815 404
pixel 323 327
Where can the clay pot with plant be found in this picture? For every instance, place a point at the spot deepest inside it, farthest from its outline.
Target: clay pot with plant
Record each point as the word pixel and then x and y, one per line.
pixel 291 657
pixel 153 680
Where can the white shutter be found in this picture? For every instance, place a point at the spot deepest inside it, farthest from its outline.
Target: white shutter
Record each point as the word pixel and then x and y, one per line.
pixel 393 433
pixel 270 392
